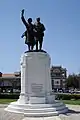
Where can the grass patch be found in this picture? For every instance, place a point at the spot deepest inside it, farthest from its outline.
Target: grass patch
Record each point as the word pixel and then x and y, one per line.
pixel 7 101
pixel 72 102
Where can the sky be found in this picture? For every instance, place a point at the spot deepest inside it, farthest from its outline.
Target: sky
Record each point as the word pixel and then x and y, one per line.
pixel 62 36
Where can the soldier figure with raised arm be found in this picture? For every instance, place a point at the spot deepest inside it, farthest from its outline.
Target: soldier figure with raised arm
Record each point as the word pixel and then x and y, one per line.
pixel 29 34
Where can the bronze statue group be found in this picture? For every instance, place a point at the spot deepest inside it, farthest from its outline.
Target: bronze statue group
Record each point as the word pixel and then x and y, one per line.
pixel 34 33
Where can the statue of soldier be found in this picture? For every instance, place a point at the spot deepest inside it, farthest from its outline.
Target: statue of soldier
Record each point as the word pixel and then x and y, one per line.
pixel 39 28
pixel 29 33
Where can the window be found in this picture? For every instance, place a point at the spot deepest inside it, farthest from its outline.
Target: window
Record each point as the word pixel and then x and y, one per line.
pixel 56 81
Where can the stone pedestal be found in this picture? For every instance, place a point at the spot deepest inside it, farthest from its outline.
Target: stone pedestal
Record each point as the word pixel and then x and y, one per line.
pixel 35 98
pixel 35 78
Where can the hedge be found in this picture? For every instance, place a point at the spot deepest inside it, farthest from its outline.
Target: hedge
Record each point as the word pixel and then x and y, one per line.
pixel 58 96
pixel 68 96
pixel 9 96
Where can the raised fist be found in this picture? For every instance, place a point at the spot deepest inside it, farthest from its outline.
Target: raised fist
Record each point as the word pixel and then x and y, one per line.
pixel 22 12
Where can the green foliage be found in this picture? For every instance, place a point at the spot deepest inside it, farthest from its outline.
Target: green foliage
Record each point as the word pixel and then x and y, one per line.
pixel 7 101
pixel 72 102
pixel 9 96
pixel 73 81
pixel 58 96
pixel 68 96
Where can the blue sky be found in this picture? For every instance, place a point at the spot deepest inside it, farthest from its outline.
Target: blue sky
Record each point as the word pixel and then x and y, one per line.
pixel 62 36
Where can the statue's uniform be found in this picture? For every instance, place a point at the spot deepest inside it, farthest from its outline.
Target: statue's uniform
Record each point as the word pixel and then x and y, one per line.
pixel 39 27
pixel 29 34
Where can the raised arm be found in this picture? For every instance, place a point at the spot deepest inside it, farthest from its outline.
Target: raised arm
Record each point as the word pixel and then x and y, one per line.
pixel 23 19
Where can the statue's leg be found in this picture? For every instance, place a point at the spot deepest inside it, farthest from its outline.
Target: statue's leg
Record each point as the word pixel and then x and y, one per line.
pixel 40 43
pixel 28 46
pixel 32 43
pixel 36 44
pixel 32 46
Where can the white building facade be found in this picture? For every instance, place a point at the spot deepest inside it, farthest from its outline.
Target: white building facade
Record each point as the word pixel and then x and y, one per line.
pixel 58 77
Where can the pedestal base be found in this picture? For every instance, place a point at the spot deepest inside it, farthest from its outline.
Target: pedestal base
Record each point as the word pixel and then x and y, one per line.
pixel 36 99
pixel 37 110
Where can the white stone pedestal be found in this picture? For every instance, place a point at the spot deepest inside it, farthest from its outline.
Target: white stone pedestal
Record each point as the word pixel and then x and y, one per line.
pixel 35 97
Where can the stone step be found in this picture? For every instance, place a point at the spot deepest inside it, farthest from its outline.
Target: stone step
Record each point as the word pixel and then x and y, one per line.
pixel 47 114
pixel 41 111
pixel 44 109
pixel 56 104
pixel 37 109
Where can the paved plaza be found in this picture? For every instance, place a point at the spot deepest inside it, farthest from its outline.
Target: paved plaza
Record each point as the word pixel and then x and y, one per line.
pixel 73 114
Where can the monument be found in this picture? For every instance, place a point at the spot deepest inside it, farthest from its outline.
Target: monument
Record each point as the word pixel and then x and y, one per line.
pixel 36 98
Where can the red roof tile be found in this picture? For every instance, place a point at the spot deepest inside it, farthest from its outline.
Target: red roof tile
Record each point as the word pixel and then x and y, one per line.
pixel 8 75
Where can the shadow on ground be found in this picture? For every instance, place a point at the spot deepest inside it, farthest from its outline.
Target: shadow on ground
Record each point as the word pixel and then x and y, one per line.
pixel 71 112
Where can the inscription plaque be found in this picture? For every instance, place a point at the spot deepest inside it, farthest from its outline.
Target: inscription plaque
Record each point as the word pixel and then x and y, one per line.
pixel 36 88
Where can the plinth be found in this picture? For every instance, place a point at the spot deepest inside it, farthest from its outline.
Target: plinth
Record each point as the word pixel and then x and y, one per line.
pixel 36 98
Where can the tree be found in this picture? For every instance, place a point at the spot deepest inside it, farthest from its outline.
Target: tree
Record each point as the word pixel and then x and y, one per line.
pixel 72 81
